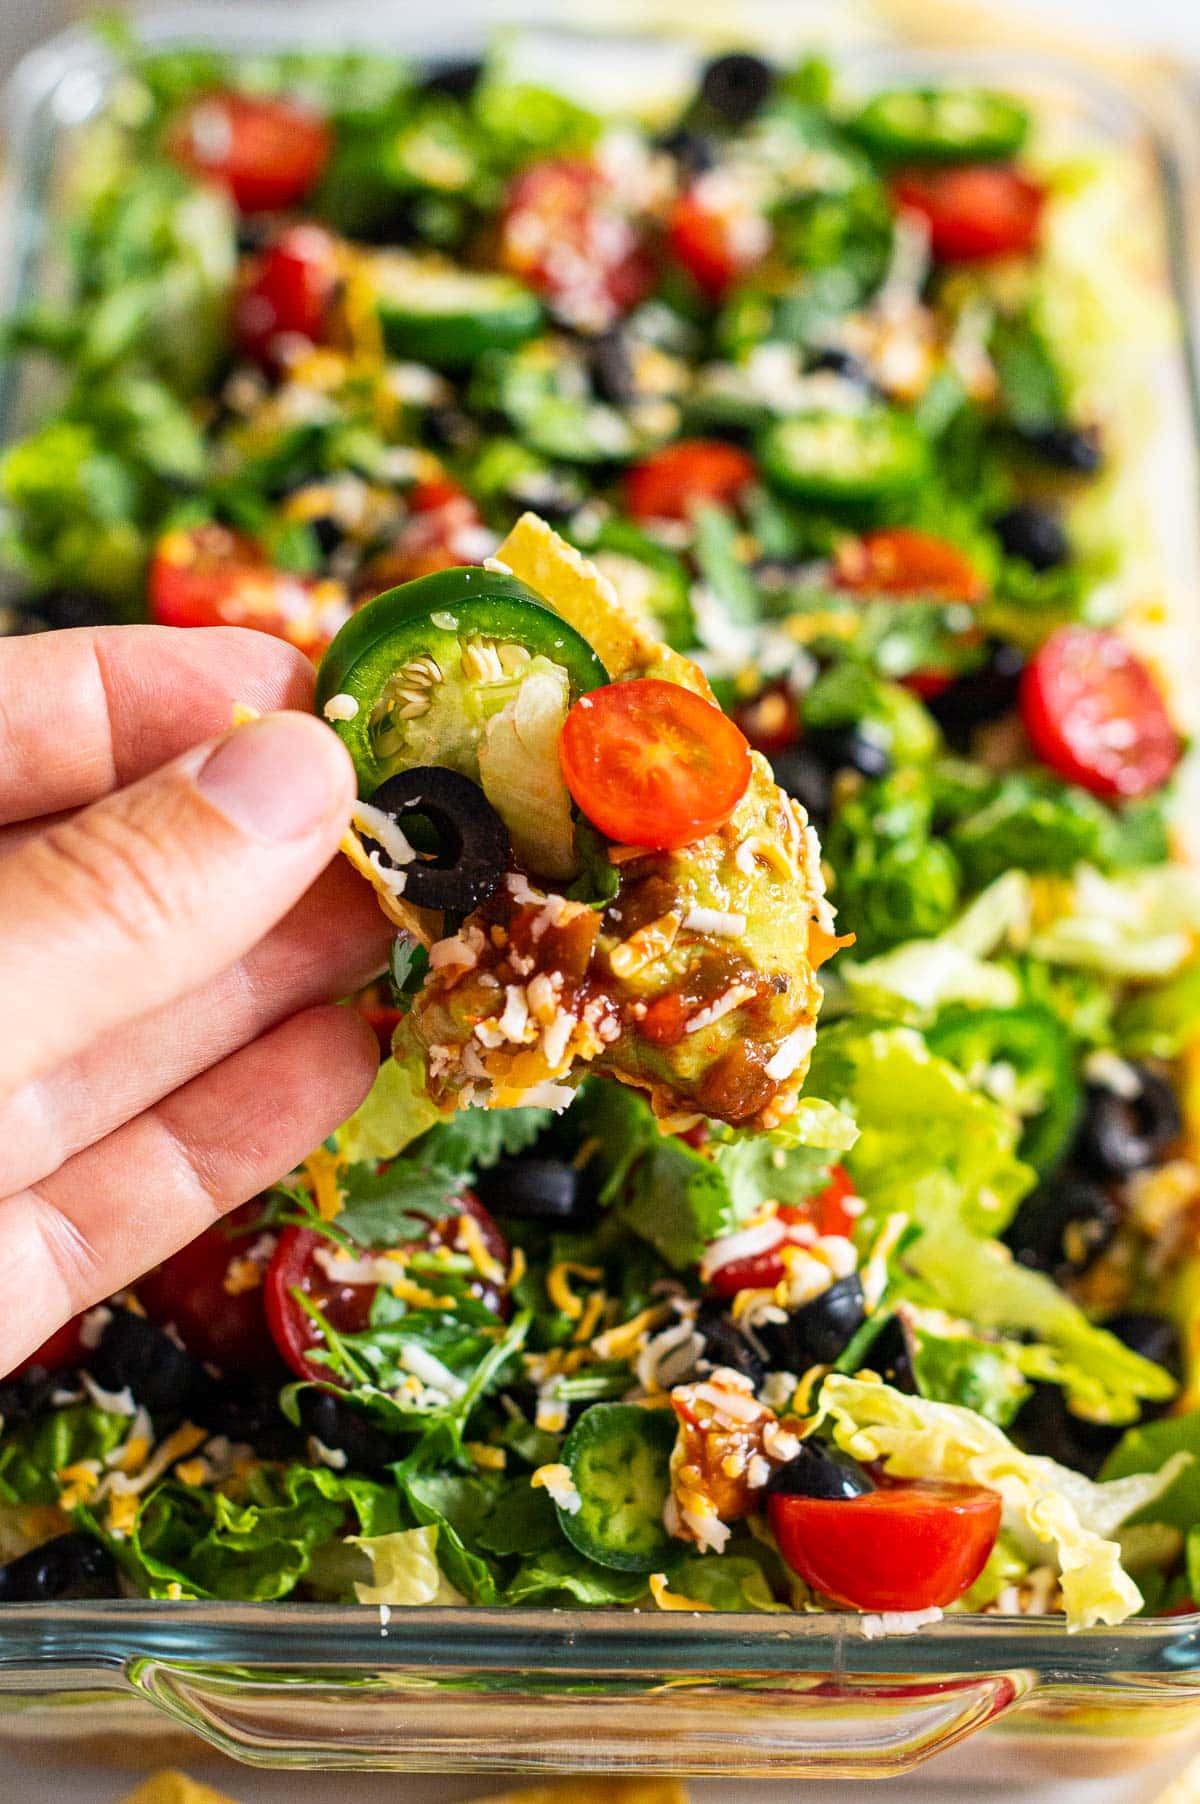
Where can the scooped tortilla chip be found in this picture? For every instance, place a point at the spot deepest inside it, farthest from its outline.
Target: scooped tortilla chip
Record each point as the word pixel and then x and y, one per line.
pixel 583 595
pixel 422 924
pixel 598 1791
pixel 176 1788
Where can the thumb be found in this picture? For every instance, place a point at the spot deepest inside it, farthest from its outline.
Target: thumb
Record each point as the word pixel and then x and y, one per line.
pixel 147 894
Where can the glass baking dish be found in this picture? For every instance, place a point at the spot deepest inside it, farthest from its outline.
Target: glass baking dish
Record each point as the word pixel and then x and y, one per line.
pixel 480 1690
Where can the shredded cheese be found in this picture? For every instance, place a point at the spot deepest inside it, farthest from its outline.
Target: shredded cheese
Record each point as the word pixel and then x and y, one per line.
pixel 558 1287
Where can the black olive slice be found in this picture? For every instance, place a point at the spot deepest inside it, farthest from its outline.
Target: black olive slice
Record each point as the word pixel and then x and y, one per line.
pixel 474 849
pixel 1075 448
pixel 1064 1226
pixel 158 1372
pixel 817 1471
pixel 342 1429
pixel 726 1345
pixel 533 1190
pixel 1033 534
pixel 818 1332
pixel 737 86
pixel 1124 1134
pixel 68 1566
pixel 982 695
pixel 848 748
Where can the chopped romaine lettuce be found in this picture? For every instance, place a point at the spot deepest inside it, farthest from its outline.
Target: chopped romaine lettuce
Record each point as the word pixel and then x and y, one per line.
pixel 1053 1506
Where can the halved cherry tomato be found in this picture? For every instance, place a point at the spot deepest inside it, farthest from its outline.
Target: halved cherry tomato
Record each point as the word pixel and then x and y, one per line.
pixel 1096 716
pixel 826 1213
pixel 716 243
pixel 347 1307
pixel 267 153
pixel 567 234
pixel 64 1348
pixel 212 576
pixel 771 722
pixel 443 530
pixel 379 1014
pixel 911 1546
pixel 212 1292
pixel 287 292
pixel 899 561
pixel 669 483
pixel 974 210
pixel 652 764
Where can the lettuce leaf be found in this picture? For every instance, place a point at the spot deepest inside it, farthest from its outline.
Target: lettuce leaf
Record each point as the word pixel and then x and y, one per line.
pixel 33 1453
pixel 562 1575
pixel 1138 926
pixel 256 1547
pixel 677 1197
pixel 1148 1448
pixel 929 1145
pixel 395 1111
pixel 1104 1380
pixel 405 1570
pixel 944 1155
pixel 1047 1504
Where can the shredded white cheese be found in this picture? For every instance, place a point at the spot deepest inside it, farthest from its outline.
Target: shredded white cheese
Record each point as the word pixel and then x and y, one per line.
pixel 558 1484
pixel 722 924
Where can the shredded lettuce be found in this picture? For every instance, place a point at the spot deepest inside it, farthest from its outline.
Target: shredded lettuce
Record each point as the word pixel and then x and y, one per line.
pixel 1051 1505
pixel 954 966
pixel 1139 926
pixel 404 1570
pixel 396 1110
pixel 927 1141
pixel 678 1197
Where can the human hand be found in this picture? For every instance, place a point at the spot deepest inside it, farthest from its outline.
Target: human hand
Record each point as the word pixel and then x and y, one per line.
pixel 172 935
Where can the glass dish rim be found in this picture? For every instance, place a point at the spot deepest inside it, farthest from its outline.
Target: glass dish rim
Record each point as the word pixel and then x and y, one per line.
pixel 106 1633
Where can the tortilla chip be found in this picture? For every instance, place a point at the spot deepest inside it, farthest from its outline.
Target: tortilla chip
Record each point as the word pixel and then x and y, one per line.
pixel 423 924
pixel 598 1791
pixel 176 1788
pixel 583 595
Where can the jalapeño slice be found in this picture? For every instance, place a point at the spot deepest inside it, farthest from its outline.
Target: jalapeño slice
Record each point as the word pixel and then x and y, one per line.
pixel 415 675
pixel 942 125
pixel 843 456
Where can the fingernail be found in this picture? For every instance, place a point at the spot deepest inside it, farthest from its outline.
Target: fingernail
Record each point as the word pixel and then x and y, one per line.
pixel 277 779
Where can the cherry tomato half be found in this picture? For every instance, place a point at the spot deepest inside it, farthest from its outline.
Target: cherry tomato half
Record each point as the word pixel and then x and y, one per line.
pixel 671 482
pixel 912 1546
pixel 212 576
pixel 565 232
pixel 347 1307
pixel 63 1349
pixel 898 561
pixel 652 764
pixel 267 153
pixel 287 292
pixel 826 1213
pixel 716 244
pixel 974 210
pixel 1096 716
pixel 212 1292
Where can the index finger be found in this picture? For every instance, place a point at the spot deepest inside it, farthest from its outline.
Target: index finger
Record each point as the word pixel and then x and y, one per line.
pixel 86 711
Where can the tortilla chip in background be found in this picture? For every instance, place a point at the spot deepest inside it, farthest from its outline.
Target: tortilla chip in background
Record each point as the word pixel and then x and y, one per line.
pixel 596 1791
pixel 176 1788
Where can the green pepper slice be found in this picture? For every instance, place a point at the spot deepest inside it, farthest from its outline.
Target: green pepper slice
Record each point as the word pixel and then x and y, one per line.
pixel 448 316
pixel 942 125
pixel 1036 1055
pixel 820 456
pixel 415 675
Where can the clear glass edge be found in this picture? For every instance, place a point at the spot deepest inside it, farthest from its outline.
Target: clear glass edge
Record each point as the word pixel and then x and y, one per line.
pixel 103 1635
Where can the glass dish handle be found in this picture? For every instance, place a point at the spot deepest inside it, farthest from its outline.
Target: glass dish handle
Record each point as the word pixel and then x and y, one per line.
pixel 775 1724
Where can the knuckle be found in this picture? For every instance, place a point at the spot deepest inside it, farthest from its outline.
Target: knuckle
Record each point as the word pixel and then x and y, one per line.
pixel 112 862
pixel 75 1262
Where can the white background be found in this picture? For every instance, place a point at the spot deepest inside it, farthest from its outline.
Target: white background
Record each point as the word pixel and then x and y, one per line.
pixel 1172 25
